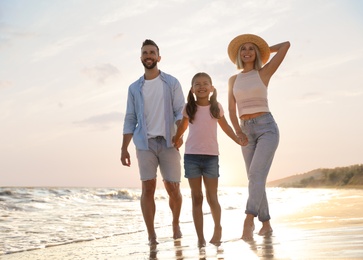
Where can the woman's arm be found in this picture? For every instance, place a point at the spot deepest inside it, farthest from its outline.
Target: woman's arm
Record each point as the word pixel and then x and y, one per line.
pixel 232 105
pixel 270 68
pixel 229 131
pixel 232 111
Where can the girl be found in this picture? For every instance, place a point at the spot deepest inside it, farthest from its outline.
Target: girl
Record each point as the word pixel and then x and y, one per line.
pixel 248 92
pixel 201 150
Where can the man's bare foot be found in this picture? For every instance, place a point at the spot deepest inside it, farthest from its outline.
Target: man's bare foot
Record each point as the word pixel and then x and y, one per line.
pixel 176 231
pixel 201 243
pixel 266 229
pixel 216 239
pixel 248 229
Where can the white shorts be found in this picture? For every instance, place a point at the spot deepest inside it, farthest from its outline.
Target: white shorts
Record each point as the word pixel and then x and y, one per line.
pixel 159 155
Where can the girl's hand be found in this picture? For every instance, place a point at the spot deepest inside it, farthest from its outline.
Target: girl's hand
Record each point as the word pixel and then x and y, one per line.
pixel 177 144
pixel 243 140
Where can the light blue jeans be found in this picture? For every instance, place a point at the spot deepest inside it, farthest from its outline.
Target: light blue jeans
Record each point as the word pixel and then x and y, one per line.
pixel 263 138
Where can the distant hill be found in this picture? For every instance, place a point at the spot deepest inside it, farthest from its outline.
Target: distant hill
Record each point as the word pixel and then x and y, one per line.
pixel 340 177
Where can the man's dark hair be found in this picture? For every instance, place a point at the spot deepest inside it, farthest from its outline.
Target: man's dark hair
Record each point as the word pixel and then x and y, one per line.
pixel 150 42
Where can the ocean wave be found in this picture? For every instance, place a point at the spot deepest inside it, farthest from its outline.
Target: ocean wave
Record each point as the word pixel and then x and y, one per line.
pixel 120 194
pixel 6 193
pixel 39 217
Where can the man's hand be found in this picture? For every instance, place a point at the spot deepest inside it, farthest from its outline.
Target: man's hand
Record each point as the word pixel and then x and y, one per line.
pixel 125 158
pixel 177 143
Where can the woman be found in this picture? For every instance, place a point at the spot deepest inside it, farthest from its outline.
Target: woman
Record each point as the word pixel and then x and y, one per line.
pixel 247 91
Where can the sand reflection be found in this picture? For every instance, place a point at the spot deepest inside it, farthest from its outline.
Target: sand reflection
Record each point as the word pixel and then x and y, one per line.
pixel 178 249
pixel 263 247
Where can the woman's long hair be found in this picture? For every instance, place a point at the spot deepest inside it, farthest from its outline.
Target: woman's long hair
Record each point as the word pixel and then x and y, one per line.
pixel 191 107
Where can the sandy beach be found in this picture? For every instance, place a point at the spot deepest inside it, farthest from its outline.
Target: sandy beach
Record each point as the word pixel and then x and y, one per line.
pixel 301 235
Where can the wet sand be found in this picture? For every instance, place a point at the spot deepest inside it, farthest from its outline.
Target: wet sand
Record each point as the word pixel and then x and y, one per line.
pixel 328 230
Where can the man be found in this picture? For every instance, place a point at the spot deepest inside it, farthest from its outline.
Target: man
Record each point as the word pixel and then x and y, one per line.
pixel 154 109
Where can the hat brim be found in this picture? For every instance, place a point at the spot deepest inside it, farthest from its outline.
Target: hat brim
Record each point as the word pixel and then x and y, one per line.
pixel 236 43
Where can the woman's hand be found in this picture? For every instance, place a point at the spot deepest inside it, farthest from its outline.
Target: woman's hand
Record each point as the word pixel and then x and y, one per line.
pixel 243 138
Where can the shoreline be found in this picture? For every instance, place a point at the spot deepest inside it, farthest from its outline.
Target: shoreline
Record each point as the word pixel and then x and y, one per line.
pixel 346 187
pixel 336 210
pixel 318 231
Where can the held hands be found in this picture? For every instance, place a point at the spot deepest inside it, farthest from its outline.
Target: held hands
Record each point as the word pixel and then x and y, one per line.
pixel 177 144
pixel 243 140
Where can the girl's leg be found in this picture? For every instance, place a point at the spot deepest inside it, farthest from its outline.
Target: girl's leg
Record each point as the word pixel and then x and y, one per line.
pixel 197 201
pixel 211 187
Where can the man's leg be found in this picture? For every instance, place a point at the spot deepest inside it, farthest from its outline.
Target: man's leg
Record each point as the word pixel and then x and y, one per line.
pixel 175 202
pixel 148 164
pixel 170 169
pixel 148 208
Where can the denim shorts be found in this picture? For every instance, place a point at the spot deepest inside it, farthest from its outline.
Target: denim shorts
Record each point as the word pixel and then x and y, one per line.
pixel 197 165
pixel 159 156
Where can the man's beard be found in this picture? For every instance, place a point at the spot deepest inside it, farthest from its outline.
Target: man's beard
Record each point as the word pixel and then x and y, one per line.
pixel 151 66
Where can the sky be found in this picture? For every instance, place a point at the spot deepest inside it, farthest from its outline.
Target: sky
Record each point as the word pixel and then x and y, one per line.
pixel 65 68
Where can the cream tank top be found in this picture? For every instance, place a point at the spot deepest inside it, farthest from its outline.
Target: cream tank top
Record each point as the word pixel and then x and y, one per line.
pixel 250 93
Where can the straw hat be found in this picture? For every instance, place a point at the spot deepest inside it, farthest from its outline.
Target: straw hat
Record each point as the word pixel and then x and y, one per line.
pixel 244 38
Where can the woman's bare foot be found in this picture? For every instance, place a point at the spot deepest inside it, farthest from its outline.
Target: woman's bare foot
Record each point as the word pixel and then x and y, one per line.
pixel 216 239
pixel 266 229
pixel 248 228
pixel 176 231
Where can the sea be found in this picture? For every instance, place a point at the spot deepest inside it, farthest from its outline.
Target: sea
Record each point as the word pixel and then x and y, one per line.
pixel 38 217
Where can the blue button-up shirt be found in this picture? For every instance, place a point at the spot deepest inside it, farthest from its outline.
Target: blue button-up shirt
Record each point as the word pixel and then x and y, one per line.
pixel 135 122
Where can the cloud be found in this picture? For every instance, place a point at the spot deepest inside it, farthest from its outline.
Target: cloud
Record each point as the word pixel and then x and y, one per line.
pixel 133 9
pixel 314 97
pixel 9 34
pixel 57 47
pixel 5 84
pixel 101 72
pixel 103 121
pixel 321 98
pixel 352 93
pixel 119 36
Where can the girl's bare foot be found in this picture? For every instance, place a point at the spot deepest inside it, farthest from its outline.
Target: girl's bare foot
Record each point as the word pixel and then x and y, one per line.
pixel 216 239
pixel 248 228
